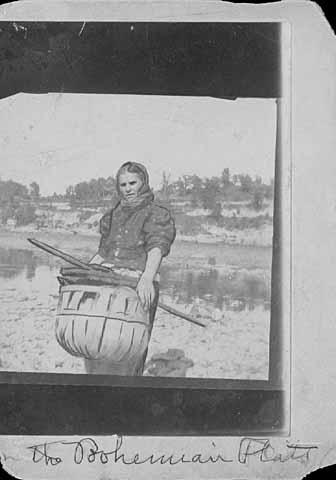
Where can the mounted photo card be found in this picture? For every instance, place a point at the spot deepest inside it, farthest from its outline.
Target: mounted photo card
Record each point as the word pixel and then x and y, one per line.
pixel 160 255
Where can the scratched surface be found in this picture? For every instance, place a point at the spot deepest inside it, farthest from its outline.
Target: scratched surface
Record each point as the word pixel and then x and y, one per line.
pixel 313 302
pixel 223 60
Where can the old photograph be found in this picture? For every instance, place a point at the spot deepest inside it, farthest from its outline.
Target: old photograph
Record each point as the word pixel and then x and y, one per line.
pixel 202 196
pixel 183 181
pixel 140 236
pixel 167 226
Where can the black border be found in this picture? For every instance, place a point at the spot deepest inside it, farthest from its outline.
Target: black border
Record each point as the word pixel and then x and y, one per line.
pixel 223 60
pixel 66 404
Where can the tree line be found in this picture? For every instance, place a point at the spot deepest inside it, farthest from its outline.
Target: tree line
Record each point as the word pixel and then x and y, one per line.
pixel 208 193
pixel 201 191
pixel 17 200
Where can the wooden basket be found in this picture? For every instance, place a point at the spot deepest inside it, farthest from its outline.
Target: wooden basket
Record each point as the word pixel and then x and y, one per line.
pixel 102 323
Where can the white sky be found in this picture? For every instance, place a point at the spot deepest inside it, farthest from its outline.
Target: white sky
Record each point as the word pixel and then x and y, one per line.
pixel 61 139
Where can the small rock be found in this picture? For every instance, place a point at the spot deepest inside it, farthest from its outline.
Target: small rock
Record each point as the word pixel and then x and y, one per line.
pixel 171 354
pixel 23 299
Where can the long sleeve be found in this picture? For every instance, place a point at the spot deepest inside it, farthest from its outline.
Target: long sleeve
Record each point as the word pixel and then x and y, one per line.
pixel 159 230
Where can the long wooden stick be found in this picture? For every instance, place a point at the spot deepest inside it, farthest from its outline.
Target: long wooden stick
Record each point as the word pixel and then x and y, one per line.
pixel 58 253
pixel 177 313
pixel 104 273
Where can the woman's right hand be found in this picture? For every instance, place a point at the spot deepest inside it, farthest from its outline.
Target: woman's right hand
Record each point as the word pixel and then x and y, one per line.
pixel 145 291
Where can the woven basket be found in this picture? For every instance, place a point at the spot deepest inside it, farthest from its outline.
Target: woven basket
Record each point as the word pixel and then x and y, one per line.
pixel 102 323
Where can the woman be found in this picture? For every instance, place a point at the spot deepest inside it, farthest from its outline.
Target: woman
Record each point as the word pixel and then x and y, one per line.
pixel 135 235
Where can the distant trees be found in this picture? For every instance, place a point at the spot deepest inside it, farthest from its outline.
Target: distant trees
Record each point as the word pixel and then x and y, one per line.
pixel 34 191
pixel 225 177
pixel 18 201
pixel 258 199
pixel 93 190
pixel 25 214
pixel 7 212
pixel 11 191
pixel 69 192
pixel 165 185
pixel 246 183
pixel 204 192
pixel 209 192
pixel 15 201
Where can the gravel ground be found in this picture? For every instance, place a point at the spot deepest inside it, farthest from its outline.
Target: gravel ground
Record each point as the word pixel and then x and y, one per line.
pixel 233 344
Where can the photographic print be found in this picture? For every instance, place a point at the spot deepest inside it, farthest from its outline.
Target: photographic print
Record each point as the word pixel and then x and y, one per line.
pixel 140 227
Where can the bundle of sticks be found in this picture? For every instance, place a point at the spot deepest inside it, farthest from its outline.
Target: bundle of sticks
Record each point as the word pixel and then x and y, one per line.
pixel 94 276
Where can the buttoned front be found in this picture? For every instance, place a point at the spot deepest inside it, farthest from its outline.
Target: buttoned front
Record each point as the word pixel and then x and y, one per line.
pixel 127 235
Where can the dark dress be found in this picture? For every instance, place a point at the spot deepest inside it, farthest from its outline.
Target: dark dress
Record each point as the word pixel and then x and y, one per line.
pixel 127 235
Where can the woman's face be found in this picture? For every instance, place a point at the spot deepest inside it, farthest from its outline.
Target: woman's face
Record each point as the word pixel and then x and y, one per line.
pixel 129 185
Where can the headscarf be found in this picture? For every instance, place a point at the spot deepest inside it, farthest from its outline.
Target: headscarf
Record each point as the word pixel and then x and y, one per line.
pixel 145 194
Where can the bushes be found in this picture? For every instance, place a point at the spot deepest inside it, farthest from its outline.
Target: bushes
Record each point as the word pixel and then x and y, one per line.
pixel 22 214
pixel 25 214
pixel 7 212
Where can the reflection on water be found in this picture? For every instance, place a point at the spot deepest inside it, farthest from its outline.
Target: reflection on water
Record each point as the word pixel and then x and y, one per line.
pixel 238 290
pixel 13 263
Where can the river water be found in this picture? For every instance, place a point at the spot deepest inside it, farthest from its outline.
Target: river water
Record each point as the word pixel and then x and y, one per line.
pixel 235 288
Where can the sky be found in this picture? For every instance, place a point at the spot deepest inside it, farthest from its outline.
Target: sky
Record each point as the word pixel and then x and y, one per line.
pixel 61 139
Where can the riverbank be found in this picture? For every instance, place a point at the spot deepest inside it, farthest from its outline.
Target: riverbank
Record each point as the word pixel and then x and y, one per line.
pixel 249 237
pixel 184 253
pixel 205 233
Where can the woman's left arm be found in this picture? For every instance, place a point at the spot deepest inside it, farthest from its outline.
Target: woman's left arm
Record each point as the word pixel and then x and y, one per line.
pixel 159 231
pixel 145 287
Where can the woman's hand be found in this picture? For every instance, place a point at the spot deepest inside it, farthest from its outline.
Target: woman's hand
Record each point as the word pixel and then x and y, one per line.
pixel 145 291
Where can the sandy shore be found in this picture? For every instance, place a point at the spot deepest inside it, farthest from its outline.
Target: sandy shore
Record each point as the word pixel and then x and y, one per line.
pixel 233 344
